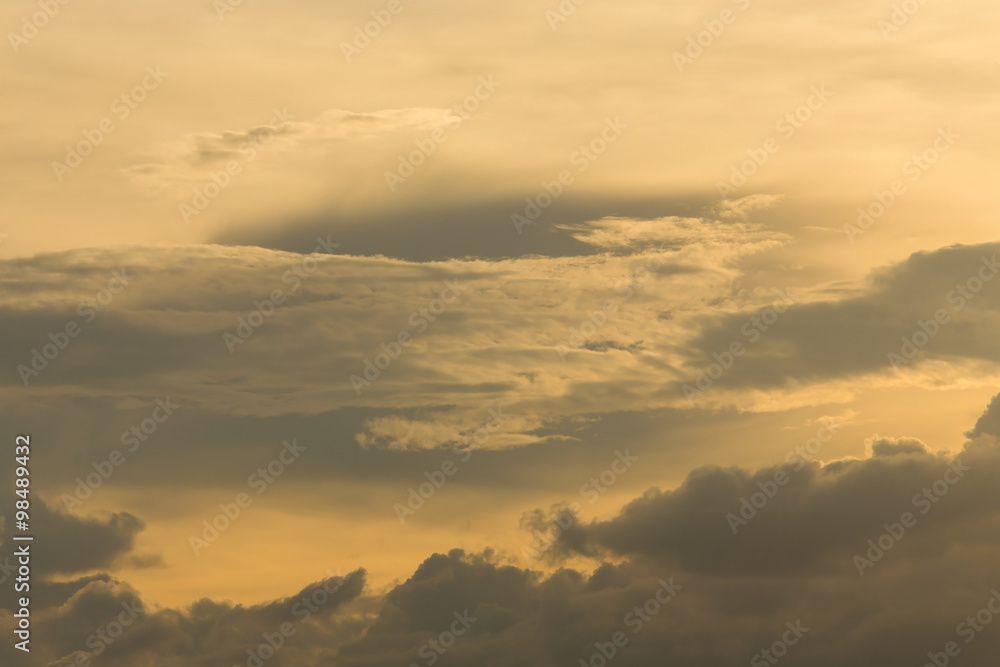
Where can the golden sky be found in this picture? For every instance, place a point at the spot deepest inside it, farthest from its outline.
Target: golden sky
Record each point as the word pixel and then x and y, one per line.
pixel 386 288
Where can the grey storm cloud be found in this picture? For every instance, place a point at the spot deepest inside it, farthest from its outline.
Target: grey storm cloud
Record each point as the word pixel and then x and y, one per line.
pixel 105 621
pixel 941 304
pixel 989 422
pixel 802 517
pixel 75 545
pixel 673 580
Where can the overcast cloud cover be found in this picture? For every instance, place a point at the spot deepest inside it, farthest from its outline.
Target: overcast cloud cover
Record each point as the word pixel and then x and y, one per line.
pixel 544 334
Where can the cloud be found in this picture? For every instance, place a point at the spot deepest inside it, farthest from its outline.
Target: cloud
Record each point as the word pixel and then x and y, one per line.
pixel 740 208
pixel 878 446
pixel 467 346
pixel 667 572
pixel 191 159
pixel 105 619
pixel 989 422
pixel 929 314
pixel 76 544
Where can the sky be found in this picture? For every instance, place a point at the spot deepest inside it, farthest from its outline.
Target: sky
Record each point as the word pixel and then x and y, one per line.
pixel 535 333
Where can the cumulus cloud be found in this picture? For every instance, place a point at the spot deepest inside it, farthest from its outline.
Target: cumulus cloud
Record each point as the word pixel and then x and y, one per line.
pixel 672 576
pixel 103 619
pixel 989 422
pixel 926 318
pixel 77 544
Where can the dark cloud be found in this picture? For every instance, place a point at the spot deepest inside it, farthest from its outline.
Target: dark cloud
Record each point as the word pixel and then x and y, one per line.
pixel 752 550
pixel 894 446
pixel 422 233
pixel 802 517
pixel 70 544
pixel 668 573
pixel 989 422
pixel 855 334
pixel 105 620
